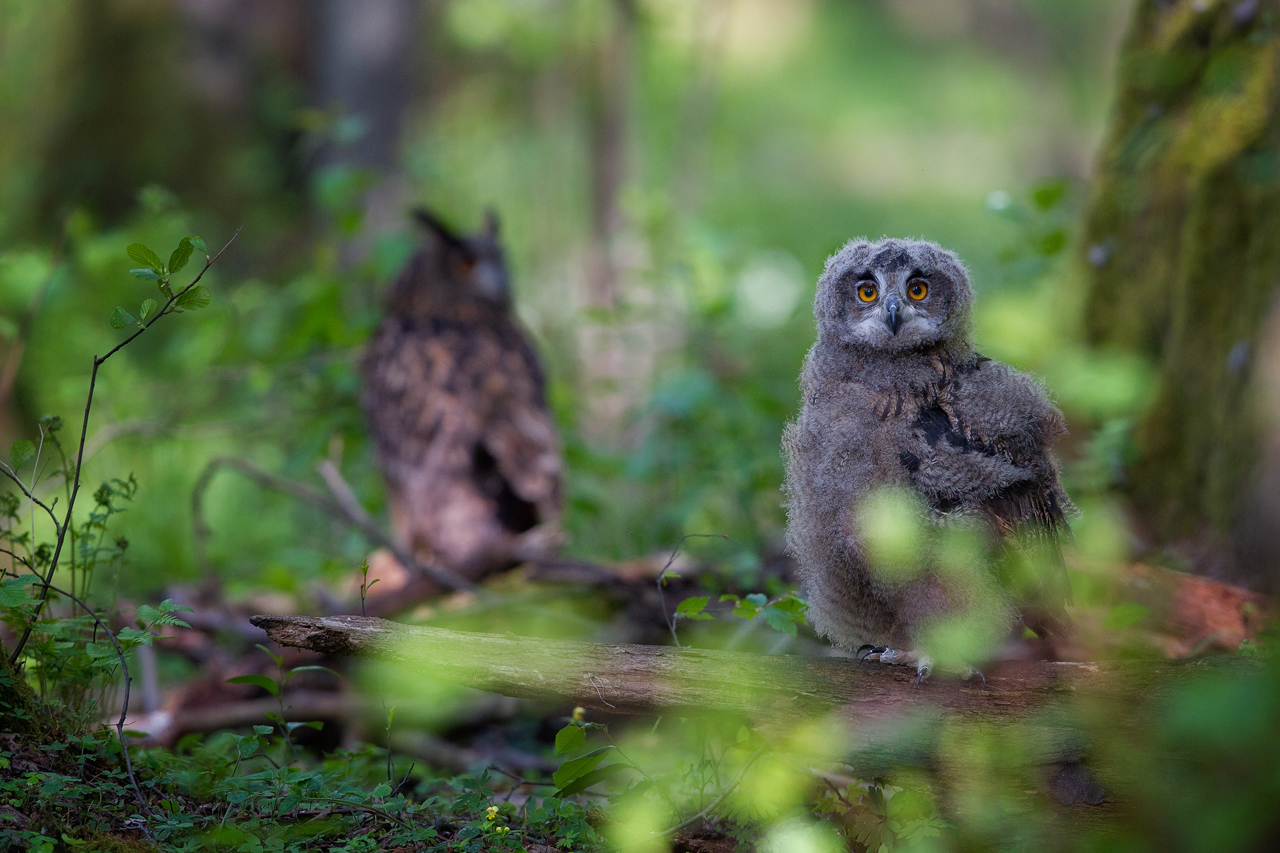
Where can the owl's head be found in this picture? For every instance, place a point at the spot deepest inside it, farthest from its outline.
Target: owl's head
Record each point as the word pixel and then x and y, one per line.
pixel 471 265
pixel 894 296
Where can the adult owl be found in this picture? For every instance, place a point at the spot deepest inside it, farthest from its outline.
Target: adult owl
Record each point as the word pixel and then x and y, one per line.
pixel 455 401
pixel 924 507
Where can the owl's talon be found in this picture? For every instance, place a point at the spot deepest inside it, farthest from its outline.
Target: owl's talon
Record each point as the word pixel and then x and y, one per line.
pixel 970 672
pixel 866 650
pixel 923 670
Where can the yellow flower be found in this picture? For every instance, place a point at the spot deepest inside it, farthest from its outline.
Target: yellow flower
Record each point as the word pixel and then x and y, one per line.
pixel 502 830
pixel 578 713
pixel 492 813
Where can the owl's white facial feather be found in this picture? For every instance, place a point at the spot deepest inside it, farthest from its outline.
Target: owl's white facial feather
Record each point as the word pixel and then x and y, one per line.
pixel 894 319
pixel 893 322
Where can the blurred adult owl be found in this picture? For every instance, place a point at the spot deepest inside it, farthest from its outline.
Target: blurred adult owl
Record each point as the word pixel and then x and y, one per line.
pixel 901 415
pixel 455 401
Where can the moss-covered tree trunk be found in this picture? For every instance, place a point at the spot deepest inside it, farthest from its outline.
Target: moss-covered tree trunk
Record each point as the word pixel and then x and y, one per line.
pixel 1182 253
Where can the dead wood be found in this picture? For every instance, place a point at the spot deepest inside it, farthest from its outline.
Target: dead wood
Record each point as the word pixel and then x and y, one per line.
pixel 764 688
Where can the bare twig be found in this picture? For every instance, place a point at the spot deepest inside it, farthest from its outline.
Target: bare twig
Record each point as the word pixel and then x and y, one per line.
pixel 356 514
pixel 662 577
pixel 124 708
pixel 98 361
pixel 13 475
pixel 714 804
pixel 343 505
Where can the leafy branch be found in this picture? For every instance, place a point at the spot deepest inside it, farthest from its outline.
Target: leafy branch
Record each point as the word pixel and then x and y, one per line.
pixel 192 297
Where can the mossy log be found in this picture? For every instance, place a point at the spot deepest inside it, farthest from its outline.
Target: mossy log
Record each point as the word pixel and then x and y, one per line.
pixel 773 691
pixel 1181 253
pixel 1030 724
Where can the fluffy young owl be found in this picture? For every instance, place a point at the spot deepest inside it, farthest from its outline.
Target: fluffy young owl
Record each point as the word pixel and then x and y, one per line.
pixel 455 401
pixel 924 508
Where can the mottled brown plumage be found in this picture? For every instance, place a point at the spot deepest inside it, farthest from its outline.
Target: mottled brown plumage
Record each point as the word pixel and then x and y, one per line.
pixel 455 401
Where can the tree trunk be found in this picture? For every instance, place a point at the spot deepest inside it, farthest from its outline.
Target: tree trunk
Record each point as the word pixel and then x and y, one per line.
pixel 1182 254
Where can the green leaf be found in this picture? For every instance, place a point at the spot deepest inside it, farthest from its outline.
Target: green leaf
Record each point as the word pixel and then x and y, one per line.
pixel 318 725
pixel 145 273
pixel 99 650
pixel 121 318
pixel 586 780
pixel 691 608
pixel 145 256
pixel 383 790
pixel 21 453
pixel 571 770
pixel 199 244
pixel 779 620
pixel 311 668
pixel 790 604
pixel 1047 195
pixel 181 255
pixel 265 682
pixel 132 637
pixel 194 299
pixel 247 746
pixel 263 730
pixel 278 659
pixel 148 308
pixel 13 592
pixel 759 599
pixel 569 738
pixel 1052 243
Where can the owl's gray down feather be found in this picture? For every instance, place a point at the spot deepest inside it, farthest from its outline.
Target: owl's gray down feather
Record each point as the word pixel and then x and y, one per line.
pixel 894 395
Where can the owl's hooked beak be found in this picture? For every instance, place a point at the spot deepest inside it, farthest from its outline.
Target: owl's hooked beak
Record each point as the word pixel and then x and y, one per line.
pixel 893 319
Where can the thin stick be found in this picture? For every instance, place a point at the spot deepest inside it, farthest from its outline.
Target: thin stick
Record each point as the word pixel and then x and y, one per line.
pixel 124 709
pixel 12 475
pixel 356 514
pixel 733 783
pixel 343 506
pixel 662 575
pixel 98 361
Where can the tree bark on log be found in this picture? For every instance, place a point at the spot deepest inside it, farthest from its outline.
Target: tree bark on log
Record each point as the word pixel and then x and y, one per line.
pixel 767 689
pixel 1181 257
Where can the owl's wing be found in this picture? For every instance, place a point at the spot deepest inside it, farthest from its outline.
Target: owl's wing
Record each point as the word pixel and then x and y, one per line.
pixel 984 446
pixel 518 431
pixel 463 398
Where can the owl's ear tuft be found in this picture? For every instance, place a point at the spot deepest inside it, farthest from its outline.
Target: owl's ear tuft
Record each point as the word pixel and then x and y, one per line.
pixel 435 225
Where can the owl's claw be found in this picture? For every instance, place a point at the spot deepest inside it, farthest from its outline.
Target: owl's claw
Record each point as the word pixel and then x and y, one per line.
pixel 866 650
pixel 970 672
pixel 923 670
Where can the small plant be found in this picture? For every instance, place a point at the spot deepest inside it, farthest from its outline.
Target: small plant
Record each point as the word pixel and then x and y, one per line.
pixel 782 613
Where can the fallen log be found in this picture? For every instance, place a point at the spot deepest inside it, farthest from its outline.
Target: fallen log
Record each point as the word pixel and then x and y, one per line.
pixel 877 717
pixel 767 689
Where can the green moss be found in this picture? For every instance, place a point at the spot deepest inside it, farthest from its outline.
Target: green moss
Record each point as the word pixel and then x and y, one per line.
pixel 19 708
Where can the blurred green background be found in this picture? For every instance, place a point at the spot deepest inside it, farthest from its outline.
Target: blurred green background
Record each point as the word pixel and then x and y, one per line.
pixel 670 177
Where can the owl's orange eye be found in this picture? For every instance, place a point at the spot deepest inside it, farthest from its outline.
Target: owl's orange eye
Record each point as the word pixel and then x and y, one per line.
pixel 917 290
pixel 867 292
